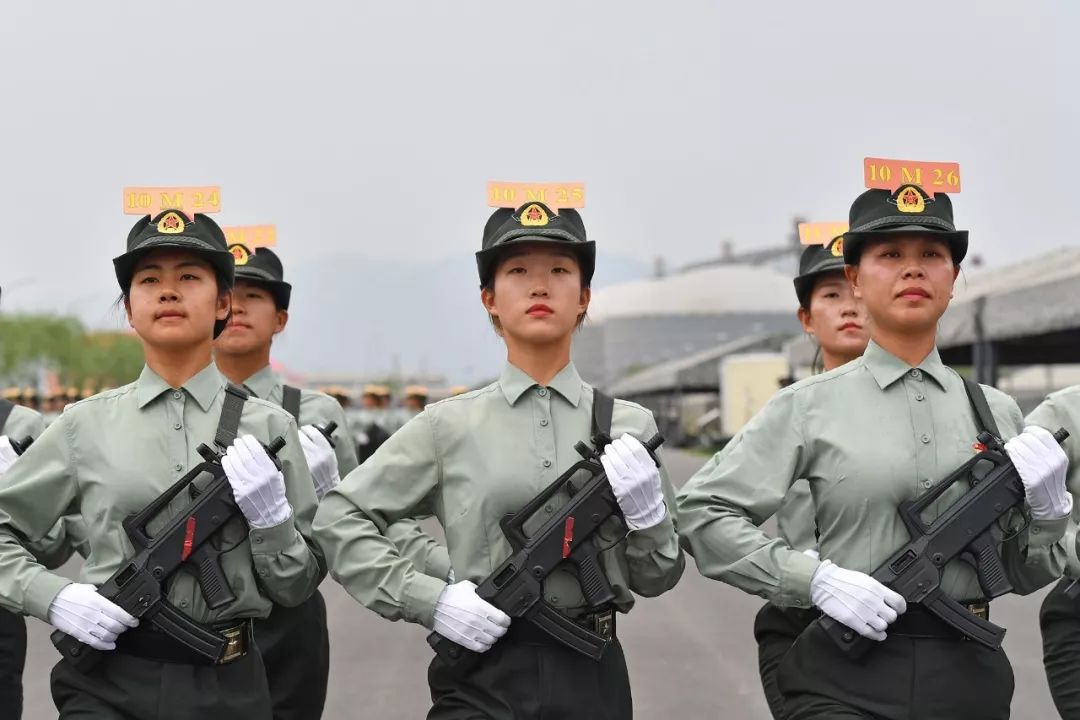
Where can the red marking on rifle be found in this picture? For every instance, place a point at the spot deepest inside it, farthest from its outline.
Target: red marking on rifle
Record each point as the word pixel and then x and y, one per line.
pixel 568 536
pixel 189 539
pixel 979 447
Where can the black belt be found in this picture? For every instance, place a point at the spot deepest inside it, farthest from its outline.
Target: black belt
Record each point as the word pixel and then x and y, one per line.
pixel 919 622
pixel 149 643
pixel 601 622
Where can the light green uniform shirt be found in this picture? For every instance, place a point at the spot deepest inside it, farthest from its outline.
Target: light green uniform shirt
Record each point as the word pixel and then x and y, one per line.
pixel 1062 409
pixel 470 460
pixel 317 408
pixel 23 422
pixel 865 436
pixel 110 455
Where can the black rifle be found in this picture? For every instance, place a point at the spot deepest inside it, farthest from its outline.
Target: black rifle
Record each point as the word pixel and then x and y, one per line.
pixel 964 531
pixel 516 587
pixel 139 585
pixel 21 446
pixel 328 432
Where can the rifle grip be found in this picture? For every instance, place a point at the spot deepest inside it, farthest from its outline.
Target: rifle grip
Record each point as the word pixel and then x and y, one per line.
pixel 594 583
pixel 846 640
pixel 454 655
pixel 215 586
pixel 982 553
pixel 81 656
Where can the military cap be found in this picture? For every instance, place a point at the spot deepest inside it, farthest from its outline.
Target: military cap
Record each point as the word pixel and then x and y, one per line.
pixel 29 393
pixel 12 394
pixel 816 261
pixel 418 391
pixel 879 213
pixel 534 222
pixel 173 229
pixel 263 266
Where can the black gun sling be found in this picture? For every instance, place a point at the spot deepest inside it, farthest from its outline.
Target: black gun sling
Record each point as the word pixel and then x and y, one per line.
pixel 290 400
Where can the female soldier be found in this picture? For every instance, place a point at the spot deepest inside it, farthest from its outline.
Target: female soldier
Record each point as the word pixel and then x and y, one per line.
pixel 830 313
pixel 294 642
pixel 16 424
pixel 1059 617
pixel 110 455
pixel 866 436
pixel 474 458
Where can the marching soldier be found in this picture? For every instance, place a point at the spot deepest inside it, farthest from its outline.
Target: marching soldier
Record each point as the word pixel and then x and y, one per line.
pixel 471 459
pixel 836 319
pixel 1059 617
pixel 294 641
pixel 866 436
pixel 110 455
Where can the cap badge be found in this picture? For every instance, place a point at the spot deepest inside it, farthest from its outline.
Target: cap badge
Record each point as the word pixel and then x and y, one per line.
pixel 910 200
pixel 240 254
pixel 837 247
pixel 171 224
pixel 534 216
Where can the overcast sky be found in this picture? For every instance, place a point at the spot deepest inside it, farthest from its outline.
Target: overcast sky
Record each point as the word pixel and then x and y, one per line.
pixel 372 127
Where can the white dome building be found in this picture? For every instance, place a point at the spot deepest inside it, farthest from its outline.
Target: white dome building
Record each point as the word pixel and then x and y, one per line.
pixel 638 324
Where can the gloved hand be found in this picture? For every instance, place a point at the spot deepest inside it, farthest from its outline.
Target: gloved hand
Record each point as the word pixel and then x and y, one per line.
pixel 257 484
pixel 1042 465
pixel 321 460
pixel 450 577
pixel 7 454
pixel 812 553
pixel 461 616
pixel 635 480
pixel 82 613
pixel 855 599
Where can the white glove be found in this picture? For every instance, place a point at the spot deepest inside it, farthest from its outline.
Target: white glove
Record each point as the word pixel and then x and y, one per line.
pixel 855 599
pixel 82 613
pixel 7 454
pixel 257 484
pixel 461 616
pixel 321 460
pixel 812 553
pixel 450 577
pixel 635 480
pixel 1042 465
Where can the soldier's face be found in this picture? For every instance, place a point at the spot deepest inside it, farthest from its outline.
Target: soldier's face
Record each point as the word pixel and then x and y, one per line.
pixel 254 322
pixel 537 295
pixel 906 282
pixel 174 299
pixel 836 318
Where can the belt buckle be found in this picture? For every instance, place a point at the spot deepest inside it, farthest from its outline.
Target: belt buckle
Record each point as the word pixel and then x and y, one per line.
pixel 605 624
pixel 235 647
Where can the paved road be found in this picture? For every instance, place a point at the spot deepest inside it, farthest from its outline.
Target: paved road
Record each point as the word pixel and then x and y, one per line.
pixel 691 654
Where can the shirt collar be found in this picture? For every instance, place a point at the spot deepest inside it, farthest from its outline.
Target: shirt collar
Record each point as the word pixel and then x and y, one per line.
pixel 515 382
pixel 203 386
pixel 263 383
pixel 887 368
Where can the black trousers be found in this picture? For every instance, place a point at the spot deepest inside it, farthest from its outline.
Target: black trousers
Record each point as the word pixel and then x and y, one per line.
pixel 295 647
pixel 519 679
pixel 12 661
pixel 125 687
pixel 901 678
pixel 1059 620
pixel 775 630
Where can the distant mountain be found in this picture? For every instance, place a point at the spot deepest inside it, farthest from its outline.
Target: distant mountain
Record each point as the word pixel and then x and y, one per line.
pixel 353 315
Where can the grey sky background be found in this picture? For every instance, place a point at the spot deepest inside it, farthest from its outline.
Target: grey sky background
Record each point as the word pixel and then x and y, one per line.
pixel 366 132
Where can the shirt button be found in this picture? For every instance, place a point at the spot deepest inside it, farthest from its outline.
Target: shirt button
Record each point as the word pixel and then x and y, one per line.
pixel 183 603
pixel 919 397
pixel 258 539
pixel 547 463
pixel 548 509
pixel 263 573
pixel 543 423
pixel 553 598
pixel 178 467
pixel 176 394
pixel 542 392
pixel 927 484
pixel 177 426
pixel 1035 530
pixel 916 373
pixel 925 438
